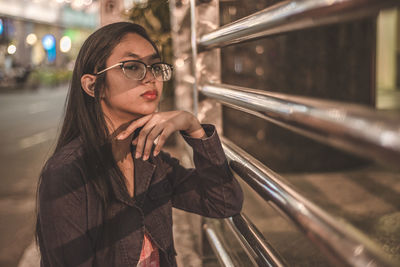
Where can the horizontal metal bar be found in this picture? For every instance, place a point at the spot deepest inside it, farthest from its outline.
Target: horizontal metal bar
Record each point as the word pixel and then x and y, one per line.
pixel 340 241
pixel 350 127
pixel 216 245
pixel 290 16
pixel 253 242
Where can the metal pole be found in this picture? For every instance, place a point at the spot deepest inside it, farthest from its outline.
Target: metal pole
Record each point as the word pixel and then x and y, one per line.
pixel 193 38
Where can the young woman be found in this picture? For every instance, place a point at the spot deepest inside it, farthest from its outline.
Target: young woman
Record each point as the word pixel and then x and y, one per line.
pixel 106 195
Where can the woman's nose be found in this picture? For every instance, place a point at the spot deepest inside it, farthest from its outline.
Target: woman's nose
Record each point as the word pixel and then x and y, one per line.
pixel 149 77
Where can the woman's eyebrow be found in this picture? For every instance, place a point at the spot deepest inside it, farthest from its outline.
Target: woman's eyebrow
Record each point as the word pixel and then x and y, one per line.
pixel 155 56
pixel 130 54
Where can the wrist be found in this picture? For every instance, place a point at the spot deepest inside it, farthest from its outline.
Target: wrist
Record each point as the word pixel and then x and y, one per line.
pixel 194 129
pixel 199 133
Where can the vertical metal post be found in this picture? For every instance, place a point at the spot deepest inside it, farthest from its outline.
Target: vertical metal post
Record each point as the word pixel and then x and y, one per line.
pixel 208 63
pixel 193 41
pixel 207 69
pixel 192 70
pixel 185 91
pixel 183 72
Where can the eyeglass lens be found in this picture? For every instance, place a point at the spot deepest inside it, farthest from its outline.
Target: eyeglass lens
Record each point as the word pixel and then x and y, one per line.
pixel 137 70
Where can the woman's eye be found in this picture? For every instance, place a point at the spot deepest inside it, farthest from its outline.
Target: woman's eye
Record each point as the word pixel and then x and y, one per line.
pixel 132 66
pixel 157 68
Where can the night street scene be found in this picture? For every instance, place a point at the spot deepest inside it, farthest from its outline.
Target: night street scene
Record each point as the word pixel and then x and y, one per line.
pixel 278 124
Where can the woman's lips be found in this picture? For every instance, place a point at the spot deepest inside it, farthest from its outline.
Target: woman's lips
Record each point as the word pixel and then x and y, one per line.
pixel 150 95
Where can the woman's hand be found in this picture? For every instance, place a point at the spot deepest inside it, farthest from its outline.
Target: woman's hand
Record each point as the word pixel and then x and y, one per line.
pixel 160 126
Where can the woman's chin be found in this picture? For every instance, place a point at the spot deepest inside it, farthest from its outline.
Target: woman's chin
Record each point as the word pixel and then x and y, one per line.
pixel 137 115
pixel 149 109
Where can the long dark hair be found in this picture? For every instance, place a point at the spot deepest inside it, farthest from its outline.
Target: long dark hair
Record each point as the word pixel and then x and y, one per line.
pixel 84 118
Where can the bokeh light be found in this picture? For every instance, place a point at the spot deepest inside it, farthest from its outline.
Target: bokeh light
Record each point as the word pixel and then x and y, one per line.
pixel 31 39
pixel 259 49
pixel 179 62
pixel 49 42
pixel 11 49
pixel 65 44
pixel 77 4
pixel 1 26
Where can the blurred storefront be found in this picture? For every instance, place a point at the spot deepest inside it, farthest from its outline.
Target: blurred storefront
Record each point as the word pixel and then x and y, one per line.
pixel 38 35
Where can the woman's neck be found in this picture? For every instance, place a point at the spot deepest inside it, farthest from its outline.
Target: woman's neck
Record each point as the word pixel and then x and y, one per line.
pixel 121 148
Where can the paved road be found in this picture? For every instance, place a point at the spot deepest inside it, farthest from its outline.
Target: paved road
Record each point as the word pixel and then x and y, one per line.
pixel 29 122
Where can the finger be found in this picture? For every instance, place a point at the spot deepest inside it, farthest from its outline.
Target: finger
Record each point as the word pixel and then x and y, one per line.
pixel 134 141
pixel 133 126
pixel 141 139
pixel 151 137
pixel 162 138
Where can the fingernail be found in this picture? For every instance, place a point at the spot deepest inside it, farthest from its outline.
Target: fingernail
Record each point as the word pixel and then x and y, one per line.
pixel 145 157
pixel 137 155
pixel 121 136
pixel 155 153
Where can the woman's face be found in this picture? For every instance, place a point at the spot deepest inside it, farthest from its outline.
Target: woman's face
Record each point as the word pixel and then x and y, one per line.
pixel 125 99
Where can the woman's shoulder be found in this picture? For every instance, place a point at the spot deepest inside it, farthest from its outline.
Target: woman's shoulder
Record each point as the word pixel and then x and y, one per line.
pixel 65 160
pixel 61 176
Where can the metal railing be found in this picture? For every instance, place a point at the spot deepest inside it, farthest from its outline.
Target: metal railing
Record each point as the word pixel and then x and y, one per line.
pixel 260 252
pixel 218 248
pixel 350 127
pixel 290 16
pixel 339 240
pixel 354 128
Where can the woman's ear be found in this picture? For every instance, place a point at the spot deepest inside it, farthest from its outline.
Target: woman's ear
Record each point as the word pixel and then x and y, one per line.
pixel 87 82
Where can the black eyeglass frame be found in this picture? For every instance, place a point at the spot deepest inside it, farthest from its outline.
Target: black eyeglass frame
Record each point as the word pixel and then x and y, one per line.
pixel 122 63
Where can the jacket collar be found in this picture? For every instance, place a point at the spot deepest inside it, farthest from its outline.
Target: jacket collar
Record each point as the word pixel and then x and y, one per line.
pixel 143 171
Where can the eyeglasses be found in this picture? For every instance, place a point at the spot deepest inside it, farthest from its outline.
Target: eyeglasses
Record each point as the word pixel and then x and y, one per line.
pixel 136 70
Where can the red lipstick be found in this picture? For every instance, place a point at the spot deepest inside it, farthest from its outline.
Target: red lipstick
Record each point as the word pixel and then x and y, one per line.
pixel 150 94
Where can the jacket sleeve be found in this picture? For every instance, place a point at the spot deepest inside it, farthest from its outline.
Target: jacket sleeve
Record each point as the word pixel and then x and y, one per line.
pixel 62 220
pixel 209 189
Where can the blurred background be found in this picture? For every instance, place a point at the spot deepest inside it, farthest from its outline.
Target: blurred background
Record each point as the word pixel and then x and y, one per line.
pixel 357 62
pixel 39 41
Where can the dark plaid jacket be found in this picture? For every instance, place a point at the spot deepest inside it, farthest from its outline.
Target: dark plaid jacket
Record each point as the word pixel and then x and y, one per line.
pixel 75 231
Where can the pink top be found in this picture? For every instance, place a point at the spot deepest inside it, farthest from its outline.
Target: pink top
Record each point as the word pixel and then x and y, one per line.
pixel 149 256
